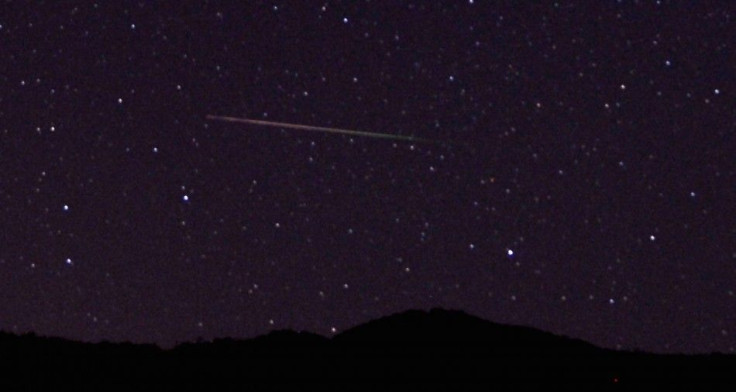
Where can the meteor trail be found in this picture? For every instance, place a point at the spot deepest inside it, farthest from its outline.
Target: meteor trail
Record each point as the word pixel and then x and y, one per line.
pixel 322 129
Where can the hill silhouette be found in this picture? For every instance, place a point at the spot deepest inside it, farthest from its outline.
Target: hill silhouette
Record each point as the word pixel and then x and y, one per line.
pixel 435 348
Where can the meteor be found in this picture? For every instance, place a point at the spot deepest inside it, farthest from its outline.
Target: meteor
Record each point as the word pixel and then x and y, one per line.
pixel 322 129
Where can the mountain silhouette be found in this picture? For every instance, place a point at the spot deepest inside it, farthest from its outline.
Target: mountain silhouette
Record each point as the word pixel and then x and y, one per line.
pixel 414 348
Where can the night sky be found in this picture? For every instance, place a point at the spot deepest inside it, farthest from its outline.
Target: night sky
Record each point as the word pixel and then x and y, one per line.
pixel 582 179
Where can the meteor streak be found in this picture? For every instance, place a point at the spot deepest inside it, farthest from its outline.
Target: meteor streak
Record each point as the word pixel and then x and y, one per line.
pixel 321 129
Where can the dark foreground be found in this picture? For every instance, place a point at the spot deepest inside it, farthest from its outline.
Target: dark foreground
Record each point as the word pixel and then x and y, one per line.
pixel 440 349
